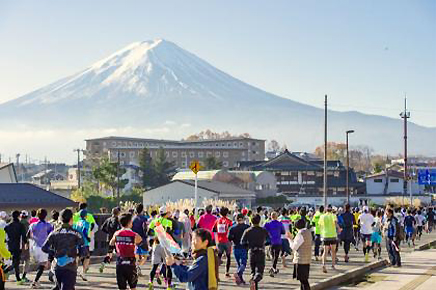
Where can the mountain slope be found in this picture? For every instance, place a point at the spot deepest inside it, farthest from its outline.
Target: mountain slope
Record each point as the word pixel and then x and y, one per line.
pixel 148 83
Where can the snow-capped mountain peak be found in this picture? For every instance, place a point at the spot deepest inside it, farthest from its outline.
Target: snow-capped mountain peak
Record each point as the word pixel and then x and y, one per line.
pixel 145 84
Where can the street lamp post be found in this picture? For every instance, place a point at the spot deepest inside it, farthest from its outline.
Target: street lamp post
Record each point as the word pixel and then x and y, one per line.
pixel 348 167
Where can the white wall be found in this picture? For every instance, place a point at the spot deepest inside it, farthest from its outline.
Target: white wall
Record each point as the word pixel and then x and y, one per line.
pixel 7 175
pixel 393 187
pixel 173 192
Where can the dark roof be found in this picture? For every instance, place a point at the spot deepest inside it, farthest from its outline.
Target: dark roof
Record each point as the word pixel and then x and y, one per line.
pixel 330 163
pixel 286 161
pixel 26 194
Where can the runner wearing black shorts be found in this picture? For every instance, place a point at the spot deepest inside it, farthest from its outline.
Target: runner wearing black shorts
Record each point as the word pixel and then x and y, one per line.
pixel 125 241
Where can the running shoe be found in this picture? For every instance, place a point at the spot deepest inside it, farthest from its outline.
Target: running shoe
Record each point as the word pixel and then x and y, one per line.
pixel 51 276
pixel 35 285
pixel 324 269
pixel 25 280
pixel 102 266
pixel 237 279
pixel 150 286
pixel 366 258
pixel 271 272
pixel 83 276
pixel 138 270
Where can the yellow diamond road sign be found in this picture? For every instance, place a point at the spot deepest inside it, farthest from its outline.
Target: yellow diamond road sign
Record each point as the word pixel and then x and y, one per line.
pixel 195 166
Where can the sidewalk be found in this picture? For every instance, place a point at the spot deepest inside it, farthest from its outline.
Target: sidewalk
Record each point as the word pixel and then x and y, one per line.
pixel 282 281
pixel 418 272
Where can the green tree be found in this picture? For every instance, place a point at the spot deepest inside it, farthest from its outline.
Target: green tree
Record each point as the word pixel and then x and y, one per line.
pixel 147 170
pixel 108 174
pixel 211 163
pixel 378 168
pixel 162 168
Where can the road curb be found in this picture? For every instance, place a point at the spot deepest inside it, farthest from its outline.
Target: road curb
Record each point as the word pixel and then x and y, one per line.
pixel 348 275
pixel 426 246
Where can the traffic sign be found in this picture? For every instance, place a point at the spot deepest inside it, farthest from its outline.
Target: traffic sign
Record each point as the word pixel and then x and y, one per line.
pixel 427 176
pixel 195 166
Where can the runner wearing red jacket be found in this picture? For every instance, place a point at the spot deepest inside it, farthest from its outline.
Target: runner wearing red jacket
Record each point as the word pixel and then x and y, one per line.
pixel 221 227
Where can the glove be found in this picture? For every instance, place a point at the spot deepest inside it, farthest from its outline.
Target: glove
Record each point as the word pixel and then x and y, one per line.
pixel 8 263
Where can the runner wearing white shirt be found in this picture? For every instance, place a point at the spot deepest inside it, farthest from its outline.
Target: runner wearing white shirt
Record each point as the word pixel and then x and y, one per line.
pixel 366 221
pixel 420 221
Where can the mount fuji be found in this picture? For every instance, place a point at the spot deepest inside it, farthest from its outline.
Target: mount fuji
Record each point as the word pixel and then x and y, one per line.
pixel 148 84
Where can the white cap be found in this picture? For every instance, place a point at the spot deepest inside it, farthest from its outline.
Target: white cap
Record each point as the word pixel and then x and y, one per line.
pixel 24 213
pixel 366 208
pixel 163 209
pixel 3 215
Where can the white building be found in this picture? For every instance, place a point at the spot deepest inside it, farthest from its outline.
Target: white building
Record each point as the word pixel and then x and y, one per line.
pixel 390 183
pixel 8 173
pixel 207 189
pixel 262 183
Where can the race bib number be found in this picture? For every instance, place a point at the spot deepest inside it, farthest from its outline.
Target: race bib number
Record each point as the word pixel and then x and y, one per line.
pixel 221 228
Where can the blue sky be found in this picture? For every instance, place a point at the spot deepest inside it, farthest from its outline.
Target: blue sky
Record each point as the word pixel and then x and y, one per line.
pixel 364 54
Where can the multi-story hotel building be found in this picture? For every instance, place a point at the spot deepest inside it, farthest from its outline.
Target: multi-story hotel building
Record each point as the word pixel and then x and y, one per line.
pixel 229 151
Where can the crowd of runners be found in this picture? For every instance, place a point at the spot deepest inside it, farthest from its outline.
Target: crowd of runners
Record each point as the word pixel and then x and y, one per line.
pixel 62 243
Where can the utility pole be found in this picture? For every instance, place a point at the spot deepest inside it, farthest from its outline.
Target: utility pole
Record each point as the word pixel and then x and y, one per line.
pixel 405 115
pixel 118 177
pixel 18 164
pixel 348 167
pixel 325 151
pixel 78 150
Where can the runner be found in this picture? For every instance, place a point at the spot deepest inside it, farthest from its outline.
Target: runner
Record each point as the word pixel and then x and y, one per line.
pixel 125 241
pixel 221 227
pixel 139 226
pixel 5 255
pixel 409 224
pixel 25 252
pixel 167 224
pixel 376 237
pixel 346 234
pixel 366 220
pixel 207 221
pixel 286 222
pixel 239 251
pixel 110 226
pixel 65 244
pixel 254 238
pixel 356 228
pixel 55 222
pixel 327 223
pixel 83 226
pixel 203 273
pixel 157 259
pixel 38 233
pixel 430 219
pixel 89 216
pixel 16 234
pixel 315 222
pixel 276 230
pixel 33 218
pixel 420 222
pixel 187 232
pixel 302 247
